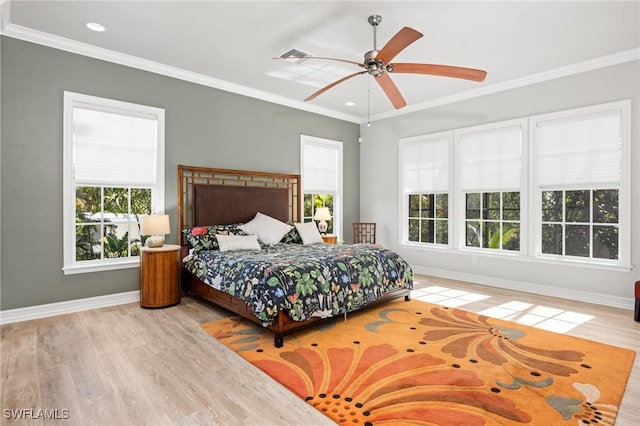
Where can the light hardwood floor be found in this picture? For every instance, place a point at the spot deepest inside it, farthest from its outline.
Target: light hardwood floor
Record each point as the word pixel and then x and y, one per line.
pixel 126 365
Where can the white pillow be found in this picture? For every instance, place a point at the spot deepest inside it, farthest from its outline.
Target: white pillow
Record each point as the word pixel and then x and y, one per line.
pixel 268 229
pixel 237 242
pixel 309 233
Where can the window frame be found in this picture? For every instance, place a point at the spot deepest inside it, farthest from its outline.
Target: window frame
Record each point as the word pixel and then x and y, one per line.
pixel 624 189
pixel 530 209
pixel 71 100
pixel 330 225
pixel 459 223
pixel 404 194
pixel 433 205
pixel 483 221
pixel 337 213
pixel 565 223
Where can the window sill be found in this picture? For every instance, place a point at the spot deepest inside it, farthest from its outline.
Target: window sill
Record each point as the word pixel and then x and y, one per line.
pixel 520 257
pixel 102 266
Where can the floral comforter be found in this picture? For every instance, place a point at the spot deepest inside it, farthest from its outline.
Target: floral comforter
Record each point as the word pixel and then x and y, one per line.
pixel 317 280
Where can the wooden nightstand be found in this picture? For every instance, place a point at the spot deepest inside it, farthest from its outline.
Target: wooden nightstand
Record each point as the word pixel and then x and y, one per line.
pixel 331 239
pixel 160 276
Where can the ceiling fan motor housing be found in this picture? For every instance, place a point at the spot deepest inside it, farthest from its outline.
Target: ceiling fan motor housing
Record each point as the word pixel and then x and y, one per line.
pixel 374 66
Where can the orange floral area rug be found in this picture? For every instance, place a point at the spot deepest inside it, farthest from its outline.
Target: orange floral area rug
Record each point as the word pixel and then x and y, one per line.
pixel 416 363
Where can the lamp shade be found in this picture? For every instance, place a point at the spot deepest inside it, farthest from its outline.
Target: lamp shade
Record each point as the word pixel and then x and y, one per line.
pixel 322 213
pixel 155 225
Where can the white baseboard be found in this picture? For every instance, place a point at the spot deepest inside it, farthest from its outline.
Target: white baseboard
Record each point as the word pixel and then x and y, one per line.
pixel 59 308
pixel 563 293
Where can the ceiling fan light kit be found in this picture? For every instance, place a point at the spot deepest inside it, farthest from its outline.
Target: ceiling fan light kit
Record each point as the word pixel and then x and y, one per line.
pixel 377 63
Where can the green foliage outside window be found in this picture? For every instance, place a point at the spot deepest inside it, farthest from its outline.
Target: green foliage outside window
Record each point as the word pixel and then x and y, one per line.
pixel 429 218
pixel 493 220
pixel 582 223
pixel 108 221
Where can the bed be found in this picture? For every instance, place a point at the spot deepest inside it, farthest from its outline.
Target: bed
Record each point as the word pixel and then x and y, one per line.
pixel 283 285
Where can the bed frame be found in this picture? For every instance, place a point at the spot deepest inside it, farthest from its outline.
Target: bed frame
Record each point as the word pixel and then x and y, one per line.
pixel 209 196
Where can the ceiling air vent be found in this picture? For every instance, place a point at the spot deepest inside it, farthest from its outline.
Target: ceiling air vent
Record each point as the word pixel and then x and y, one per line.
pixel 295 56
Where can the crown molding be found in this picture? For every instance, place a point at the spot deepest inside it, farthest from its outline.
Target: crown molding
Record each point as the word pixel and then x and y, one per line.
pixel 590 65
pixel 72 46
pixel 61 43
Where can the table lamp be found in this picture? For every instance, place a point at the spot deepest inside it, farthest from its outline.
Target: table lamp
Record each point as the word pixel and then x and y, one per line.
pixel 156 227
pixel 322 215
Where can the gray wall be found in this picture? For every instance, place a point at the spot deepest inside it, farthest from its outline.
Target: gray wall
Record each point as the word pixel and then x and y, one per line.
pixel 380 185
pixel 204 127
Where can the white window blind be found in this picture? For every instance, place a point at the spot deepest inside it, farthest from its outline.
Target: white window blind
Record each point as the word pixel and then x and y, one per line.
pixel 425 165
pixel 111 148
pixel 490 159
pixel 320 168
pixel 108 144
pixel 581 151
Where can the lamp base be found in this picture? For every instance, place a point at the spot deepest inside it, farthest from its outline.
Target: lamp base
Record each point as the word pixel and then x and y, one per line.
pixel 322 227
pixel 155 241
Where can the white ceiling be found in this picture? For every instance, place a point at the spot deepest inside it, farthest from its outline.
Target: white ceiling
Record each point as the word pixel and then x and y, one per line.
pixel 230 44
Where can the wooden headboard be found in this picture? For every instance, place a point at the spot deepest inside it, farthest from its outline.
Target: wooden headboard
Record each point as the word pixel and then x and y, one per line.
pixel 208 196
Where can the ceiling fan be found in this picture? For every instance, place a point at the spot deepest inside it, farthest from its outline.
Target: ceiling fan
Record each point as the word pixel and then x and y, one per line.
pixel 377 63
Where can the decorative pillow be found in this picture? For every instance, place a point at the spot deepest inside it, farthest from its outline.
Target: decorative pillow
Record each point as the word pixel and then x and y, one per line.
pixel 309 233
pixel 238 242
pixel 204 237
pixel 268 229
pixel 292 237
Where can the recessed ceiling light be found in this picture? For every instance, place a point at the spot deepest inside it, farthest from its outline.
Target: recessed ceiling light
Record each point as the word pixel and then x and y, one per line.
pixel 349 103
pixel 94 26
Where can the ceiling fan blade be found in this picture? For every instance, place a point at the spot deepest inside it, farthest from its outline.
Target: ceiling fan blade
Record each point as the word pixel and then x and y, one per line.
pixel 391 90
pixel 398 42
pixel 320 57
pixel 443 70
pixel 335 83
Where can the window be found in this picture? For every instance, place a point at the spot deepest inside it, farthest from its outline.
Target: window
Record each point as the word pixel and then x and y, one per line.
pixel 313 202
pixel 429 218
pixel 113 174
pixel 492 220
pixel 321 165
pixel 425 186
pixel 552 187
pixel 583 223
pixel 489 170
pixel 580 183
